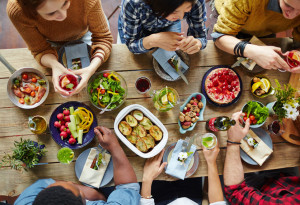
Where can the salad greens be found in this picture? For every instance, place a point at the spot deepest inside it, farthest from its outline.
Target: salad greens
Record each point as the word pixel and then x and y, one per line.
pixel 106 88
pixel 260 112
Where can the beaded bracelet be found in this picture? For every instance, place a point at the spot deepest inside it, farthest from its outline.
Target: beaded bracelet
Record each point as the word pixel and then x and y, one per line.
pixel 228 141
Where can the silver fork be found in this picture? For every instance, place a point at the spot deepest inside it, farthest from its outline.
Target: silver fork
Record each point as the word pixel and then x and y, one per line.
pixel 100 150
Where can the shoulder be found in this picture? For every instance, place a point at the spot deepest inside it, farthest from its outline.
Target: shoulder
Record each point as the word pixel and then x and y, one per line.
pixel 133 4
pixel 14 10
pixel 240 4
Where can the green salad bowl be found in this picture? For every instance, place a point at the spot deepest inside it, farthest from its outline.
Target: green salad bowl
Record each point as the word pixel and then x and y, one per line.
pixel 107 90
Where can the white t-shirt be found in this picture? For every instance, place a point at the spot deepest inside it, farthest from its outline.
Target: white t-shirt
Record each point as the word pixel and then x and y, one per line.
pixel 179 201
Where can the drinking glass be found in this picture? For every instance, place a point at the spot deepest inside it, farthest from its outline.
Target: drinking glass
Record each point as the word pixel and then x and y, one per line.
pixel 65 155
pixel 142 85
pixel 276 128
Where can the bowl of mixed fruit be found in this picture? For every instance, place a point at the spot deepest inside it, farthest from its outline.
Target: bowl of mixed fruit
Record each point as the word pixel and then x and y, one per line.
pixel 260 87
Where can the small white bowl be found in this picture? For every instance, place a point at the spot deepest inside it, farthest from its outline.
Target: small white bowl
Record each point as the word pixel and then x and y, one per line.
pixel 155 121
pixel 14 99
pixel 257 125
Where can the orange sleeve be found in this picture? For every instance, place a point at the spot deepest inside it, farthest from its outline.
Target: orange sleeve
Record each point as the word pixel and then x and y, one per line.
pixel 35 41
pixel 101 35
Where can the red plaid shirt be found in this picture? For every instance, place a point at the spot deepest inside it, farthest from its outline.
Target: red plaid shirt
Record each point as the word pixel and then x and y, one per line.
pixel 284 190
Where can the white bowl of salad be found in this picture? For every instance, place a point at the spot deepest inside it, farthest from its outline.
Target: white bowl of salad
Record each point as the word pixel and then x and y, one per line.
pixel 107 87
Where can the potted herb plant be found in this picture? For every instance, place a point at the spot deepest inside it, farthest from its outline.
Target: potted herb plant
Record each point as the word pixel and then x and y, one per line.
pixel 25 155
pixel 286 105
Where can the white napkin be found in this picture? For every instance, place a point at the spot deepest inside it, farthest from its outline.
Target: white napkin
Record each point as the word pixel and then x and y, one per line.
pixel 91 176
pixel 258 154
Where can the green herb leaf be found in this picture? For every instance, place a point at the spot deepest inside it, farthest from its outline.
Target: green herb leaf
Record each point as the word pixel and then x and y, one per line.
pixel 70 86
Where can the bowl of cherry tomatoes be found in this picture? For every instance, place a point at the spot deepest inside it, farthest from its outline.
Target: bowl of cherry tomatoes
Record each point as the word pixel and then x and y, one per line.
pixel 256 112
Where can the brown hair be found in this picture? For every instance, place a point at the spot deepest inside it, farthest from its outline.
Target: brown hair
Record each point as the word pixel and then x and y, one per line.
pixel 29 6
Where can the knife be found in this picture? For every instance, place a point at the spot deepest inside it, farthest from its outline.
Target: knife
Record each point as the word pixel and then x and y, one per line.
pixel 238 62
pixel 178 70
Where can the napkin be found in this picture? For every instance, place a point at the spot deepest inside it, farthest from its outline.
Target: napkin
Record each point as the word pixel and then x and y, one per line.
pixel 175 168
pixel 258 154
pixel 162 56
pixel 77 51
pixel 91 176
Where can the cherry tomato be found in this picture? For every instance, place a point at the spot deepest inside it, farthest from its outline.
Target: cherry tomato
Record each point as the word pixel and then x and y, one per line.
pixel 25 76
pixel 27 90
pixel 37 88
pixel 105 75
pixel 254 122
pixel 245 118
pixel 22 101
pixel 252 118
pixel 102 91
pixel 32 94
pixel 251 122
pixel 245 114
pixel 34 80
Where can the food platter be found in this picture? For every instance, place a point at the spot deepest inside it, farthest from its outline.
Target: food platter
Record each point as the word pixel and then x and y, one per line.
pixel 87 137
pixel 206 95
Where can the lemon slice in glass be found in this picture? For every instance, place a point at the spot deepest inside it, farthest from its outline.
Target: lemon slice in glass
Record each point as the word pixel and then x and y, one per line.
pixel 265 86
pixel 65 81
pixel 256 85
pixel 164 99
pixel 171 97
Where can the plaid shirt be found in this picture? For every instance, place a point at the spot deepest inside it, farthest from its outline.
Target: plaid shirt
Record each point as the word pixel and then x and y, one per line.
pixel 137 20
pixel 284 190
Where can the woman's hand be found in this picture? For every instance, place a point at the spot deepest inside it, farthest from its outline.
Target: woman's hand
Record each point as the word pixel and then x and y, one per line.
pixel 190 45
pixel 57 71
pixel 153 167
pixel 268 57
pixel 168 41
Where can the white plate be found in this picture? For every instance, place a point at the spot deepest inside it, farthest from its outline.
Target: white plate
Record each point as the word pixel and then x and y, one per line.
pixel 154 120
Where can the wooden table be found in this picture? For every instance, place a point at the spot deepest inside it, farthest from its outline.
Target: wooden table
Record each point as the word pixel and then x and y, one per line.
pixel 13 122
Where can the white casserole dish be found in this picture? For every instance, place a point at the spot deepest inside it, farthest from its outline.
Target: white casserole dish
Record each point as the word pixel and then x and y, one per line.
pixel 158 147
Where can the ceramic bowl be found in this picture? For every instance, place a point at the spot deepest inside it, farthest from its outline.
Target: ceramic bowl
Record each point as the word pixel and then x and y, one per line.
pixel 257 125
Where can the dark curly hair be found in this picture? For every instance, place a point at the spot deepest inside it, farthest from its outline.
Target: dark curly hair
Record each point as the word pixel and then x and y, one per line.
pixel 29 6
pixel 57 195
pixel 163 8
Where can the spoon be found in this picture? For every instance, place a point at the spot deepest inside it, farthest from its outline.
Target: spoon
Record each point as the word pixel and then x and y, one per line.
pixel 102 111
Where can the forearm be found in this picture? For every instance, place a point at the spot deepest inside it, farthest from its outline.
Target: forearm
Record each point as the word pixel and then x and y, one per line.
pixel 50 61
pixel 233 169
pixel 146 188
pixel 227 43
pixel 150 41
pixel 215 192
pixel 123 171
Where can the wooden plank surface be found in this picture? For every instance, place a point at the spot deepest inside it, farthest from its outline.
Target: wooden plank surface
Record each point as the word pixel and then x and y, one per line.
pixel 14 124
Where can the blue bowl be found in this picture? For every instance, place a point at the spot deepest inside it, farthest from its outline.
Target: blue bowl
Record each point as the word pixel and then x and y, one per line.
pixel 257 125
pixel 204 91
pixel 203 100
pixel 87 137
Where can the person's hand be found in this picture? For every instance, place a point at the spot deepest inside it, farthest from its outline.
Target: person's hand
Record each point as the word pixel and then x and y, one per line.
pixel 85 74
pixel 268 57
pixel 168 41
pixel 212 154
pixel 107 138
pixel 153 167
pixel 237 132
pixel 295 70
pixel 58 71
pixel 190 45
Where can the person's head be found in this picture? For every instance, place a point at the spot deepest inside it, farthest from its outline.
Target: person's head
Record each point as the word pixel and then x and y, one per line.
pixel 171 10
pixel 60 192
pixel 51 10
pixel 290 8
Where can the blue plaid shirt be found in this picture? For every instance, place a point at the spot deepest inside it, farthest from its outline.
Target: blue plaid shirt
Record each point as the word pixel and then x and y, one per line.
pixel 137 20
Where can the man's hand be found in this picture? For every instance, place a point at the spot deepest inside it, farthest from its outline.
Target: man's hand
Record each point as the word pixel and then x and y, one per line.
pixel 107 138
pixel 268 57
pixel 190 45
pixel 153 167
pixel 168 41
pixel 211 155
pixel 237 132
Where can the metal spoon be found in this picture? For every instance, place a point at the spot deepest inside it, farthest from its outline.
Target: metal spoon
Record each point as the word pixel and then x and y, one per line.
pixel 102 111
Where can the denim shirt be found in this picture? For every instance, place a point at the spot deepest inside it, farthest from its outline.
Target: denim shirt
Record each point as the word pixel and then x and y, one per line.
pixel 124 194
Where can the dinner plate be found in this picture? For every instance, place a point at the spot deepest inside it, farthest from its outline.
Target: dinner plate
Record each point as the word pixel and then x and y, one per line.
pixel 108 175
pixel 87 137
pixel 194 167
pixel 265 137
pixel 164 75
pixel 204 91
